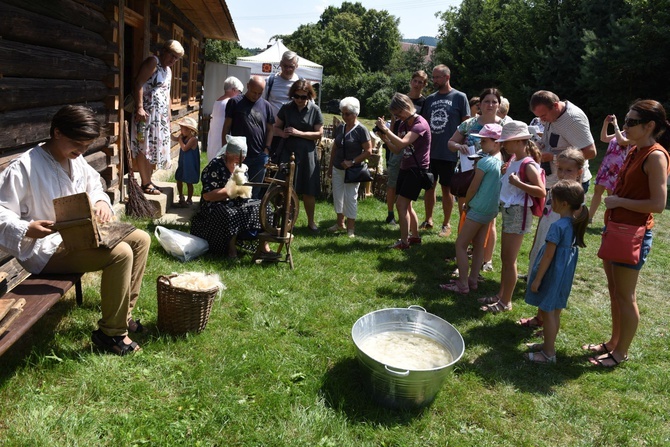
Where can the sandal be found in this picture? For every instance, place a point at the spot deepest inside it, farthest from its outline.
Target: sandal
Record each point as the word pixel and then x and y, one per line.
pixel 596 349
pixel 489 299
pixel 150 189
pixel 599 361
pixel 425 225
pixel 534 347
pixel 135 326
pixel 454 286
pixel 182 202
pixel 114 344
pixel 533 322
pixel 497 307
pixel 540 357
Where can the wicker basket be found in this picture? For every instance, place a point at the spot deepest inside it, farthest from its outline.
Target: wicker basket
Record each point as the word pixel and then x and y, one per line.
pixel 182 310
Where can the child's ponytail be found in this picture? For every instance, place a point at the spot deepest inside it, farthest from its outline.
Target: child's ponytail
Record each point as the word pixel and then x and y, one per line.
pixel 533 151
pixel 579 223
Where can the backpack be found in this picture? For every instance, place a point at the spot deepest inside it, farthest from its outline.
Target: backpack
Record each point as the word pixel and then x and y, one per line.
pixel 537 203
pixel 271 81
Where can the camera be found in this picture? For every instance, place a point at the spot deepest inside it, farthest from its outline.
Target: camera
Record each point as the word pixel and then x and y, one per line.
pixel 377 130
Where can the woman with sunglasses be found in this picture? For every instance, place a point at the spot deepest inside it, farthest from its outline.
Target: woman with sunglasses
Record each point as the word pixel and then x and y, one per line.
pixel 641 190
pixel 300 124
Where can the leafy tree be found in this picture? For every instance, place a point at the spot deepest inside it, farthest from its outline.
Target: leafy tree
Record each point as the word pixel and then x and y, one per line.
pixel 224 52
pixel 380 39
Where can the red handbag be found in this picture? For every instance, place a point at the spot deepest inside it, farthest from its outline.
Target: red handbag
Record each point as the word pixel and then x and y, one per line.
pixel 621 243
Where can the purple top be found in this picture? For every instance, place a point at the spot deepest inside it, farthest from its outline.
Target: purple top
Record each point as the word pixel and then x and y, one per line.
pixel 421 145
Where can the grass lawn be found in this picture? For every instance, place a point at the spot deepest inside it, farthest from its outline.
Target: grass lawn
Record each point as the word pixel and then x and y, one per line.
pixel 276 364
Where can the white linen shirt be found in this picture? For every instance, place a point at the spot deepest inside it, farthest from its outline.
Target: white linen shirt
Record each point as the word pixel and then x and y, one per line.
pixel 27 189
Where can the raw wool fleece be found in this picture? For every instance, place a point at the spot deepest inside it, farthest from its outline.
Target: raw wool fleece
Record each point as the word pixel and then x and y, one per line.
pixel 197 281
pixel 235 186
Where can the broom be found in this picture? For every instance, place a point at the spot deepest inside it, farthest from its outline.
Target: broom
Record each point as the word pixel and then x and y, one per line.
pixel 137 205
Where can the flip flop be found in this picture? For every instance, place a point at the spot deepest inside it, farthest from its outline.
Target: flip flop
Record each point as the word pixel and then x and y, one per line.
pixel 596 349
pixel 598 361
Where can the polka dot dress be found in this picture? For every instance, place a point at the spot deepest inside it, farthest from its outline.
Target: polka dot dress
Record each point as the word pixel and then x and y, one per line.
pixel 219 222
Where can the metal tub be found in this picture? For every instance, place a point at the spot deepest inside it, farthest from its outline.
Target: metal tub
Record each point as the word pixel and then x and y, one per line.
pixel 398 388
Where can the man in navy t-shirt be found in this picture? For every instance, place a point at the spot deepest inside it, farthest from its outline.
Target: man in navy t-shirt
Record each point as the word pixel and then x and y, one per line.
pixel 251 116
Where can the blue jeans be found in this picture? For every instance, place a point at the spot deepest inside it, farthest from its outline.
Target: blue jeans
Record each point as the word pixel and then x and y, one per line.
pixel 256 172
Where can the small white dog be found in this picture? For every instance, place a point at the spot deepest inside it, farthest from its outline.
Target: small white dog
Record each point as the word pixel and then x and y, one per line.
pixel 235 186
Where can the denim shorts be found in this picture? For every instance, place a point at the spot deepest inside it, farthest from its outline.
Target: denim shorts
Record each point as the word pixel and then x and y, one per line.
pixel 644 252
pixel 513 219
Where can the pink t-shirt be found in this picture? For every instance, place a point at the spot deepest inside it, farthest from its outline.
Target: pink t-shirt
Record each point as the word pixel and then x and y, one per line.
pixel 421 145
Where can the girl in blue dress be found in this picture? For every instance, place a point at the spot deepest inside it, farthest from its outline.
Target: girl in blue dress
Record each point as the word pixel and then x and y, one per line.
pixel 551 278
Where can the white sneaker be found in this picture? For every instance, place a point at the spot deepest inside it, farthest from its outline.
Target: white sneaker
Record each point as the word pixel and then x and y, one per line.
pixel 487 266
pixel 350 233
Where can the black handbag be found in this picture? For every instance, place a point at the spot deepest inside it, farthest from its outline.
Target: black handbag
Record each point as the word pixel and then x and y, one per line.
pixel 426 178
pixel 359 173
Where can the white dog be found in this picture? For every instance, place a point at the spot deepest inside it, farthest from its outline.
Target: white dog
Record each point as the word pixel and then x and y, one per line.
pixel 235 186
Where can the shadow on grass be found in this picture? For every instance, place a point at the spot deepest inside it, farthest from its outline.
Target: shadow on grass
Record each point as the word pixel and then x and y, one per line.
pixel 346 388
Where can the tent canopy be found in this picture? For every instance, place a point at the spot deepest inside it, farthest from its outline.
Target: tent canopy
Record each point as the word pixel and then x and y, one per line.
pixel 267 62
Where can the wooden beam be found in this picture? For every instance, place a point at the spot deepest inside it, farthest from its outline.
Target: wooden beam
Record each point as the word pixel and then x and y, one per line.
pixel 29 93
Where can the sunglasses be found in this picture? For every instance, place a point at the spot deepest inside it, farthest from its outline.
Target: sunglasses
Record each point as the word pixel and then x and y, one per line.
pixel 629 122
pixel 303 97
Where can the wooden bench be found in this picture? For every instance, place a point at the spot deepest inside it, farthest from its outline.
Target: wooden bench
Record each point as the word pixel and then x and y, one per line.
pixel 41 292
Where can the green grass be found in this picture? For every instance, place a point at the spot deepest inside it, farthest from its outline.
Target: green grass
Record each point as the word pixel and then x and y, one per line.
pixel 276 364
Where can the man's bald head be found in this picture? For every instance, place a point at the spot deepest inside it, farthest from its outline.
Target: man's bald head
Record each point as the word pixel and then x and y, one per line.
pixel 255 88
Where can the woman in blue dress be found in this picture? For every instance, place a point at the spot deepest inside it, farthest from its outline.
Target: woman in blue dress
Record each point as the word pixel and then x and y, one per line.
pixel 551 278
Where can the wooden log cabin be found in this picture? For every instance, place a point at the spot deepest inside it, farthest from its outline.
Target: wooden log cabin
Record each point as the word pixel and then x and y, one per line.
pixel 58 52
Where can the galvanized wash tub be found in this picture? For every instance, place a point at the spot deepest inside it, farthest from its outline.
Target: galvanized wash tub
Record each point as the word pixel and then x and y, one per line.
pixel 395 386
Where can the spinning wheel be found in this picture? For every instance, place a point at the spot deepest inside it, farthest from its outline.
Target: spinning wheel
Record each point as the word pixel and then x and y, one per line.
pixel 273 210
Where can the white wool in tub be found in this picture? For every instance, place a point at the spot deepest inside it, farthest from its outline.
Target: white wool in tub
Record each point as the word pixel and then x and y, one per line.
pixel 197 281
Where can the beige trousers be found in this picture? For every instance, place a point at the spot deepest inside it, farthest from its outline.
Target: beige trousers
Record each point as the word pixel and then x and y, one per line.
pixel 122 271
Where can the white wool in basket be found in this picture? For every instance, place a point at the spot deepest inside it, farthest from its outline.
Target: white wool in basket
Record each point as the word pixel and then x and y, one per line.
pixel 197 281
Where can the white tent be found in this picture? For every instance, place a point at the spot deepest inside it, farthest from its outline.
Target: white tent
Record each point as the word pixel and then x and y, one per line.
pixel 267 62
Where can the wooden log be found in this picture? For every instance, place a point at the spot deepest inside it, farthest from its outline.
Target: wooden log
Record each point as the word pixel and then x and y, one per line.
pixel 68 11
pixel 29 93
pixel 31 61
pixel 30 126
pixel 20 25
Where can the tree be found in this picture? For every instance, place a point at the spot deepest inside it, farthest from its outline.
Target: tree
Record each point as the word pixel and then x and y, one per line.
pixel 380 40
pixel 224 52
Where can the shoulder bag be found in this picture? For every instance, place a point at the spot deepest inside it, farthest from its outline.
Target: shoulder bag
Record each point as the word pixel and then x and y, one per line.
pixel 358 173
pixel 621 242
pixel 426 178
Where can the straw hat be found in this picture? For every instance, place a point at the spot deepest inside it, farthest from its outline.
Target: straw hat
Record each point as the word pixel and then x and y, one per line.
pixel 489 131
pixel 514 130
pixel 189 123
pixel 234 145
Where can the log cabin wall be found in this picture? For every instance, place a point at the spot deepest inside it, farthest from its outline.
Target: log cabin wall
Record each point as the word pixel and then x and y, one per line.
pixel 58 52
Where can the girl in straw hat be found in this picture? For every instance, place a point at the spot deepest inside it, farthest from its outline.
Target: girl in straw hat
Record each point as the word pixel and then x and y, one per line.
pixel 515 204
pixel 188 167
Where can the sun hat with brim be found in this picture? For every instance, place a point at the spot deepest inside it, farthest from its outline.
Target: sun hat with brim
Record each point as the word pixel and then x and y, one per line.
pixel 514 130
pixel 490 130
pixel 189 123
pixel 234 146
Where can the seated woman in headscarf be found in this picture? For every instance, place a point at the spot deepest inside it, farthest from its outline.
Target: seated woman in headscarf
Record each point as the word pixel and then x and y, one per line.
pixel 221 219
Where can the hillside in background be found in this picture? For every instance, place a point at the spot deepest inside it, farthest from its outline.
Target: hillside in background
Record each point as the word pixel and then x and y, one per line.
pixel 427 40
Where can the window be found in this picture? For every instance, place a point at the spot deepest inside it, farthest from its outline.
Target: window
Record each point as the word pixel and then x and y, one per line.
pixel 175 88
pixel 194 58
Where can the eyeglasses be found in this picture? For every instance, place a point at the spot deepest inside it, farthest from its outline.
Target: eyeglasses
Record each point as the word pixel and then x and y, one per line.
pixel 629 122
pixel 303 97
pixel 287 66
pixel 347 113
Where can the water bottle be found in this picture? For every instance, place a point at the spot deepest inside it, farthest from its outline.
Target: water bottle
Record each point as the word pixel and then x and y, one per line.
pixel 141 128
